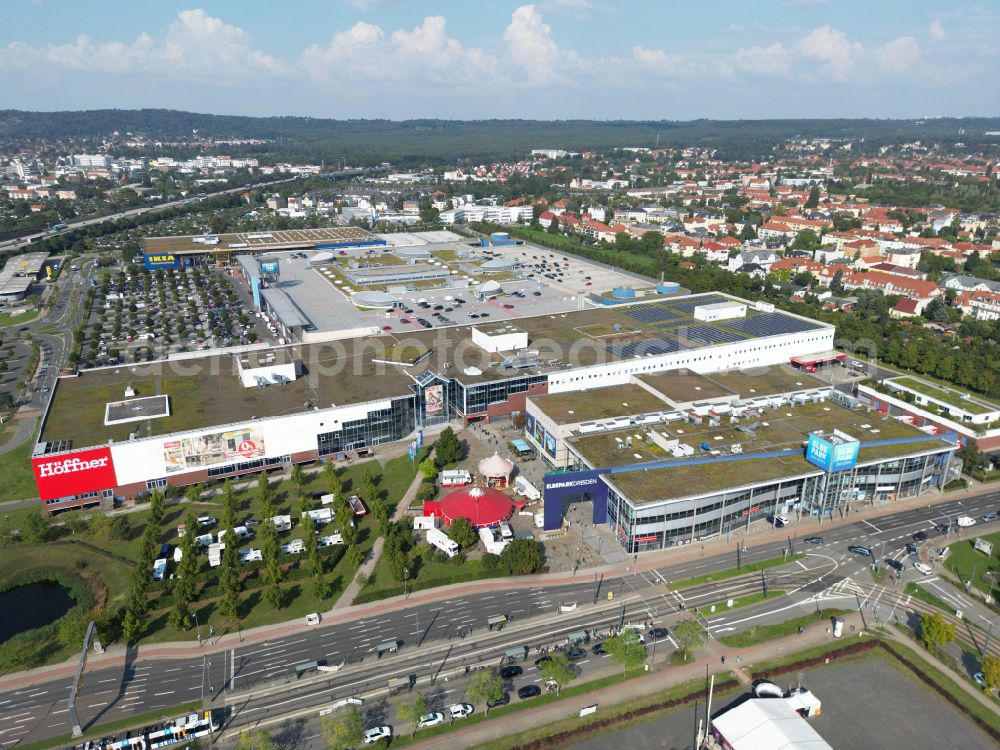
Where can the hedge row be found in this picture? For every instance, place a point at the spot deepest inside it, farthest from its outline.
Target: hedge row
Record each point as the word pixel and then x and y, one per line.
pixel 579 733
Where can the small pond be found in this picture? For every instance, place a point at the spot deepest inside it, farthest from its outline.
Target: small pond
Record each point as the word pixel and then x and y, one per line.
pixel 32 606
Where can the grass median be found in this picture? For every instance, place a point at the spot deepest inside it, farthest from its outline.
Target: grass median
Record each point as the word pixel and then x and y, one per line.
pixel 762 633
pixel 739 601
pixel 721 575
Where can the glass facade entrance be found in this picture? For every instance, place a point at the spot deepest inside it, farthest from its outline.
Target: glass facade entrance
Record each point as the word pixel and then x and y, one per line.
pixel 383 426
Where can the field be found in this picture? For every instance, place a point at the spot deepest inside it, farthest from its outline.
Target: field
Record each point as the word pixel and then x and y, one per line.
pixel 7 319
pixel 15 468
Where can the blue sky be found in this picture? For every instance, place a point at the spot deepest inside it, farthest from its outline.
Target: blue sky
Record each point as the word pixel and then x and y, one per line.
pixel 553 59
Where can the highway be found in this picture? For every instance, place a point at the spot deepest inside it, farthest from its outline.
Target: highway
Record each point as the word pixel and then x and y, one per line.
pixel 430 633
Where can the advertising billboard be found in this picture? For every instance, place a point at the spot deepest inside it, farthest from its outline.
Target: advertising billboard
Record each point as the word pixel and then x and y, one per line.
pixel 539 433
pixel 529 424
pixel 160 261
pixel 74 473
pixel 550 444
pixel 832 456
pixel 190 453
pixel 270 266
pixel 434 399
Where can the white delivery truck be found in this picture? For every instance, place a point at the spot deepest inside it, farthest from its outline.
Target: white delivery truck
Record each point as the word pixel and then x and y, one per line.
pixel 523 487
pixel 439 539
pixel 455 478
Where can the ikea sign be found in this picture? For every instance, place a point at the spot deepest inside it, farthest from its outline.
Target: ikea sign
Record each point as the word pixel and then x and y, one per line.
pixel 830 455
pixel 158 261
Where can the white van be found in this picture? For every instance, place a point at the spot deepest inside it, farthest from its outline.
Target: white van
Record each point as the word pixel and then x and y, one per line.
pixel 505 531
pixel 838 627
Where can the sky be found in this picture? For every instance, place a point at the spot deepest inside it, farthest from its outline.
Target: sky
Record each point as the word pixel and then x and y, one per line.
pixel 475 59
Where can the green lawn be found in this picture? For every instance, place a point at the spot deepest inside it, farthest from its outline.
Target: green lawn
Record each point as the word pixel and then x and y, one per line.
pixel 952 397
pixel 18 479
pixel 919 592
pixel 965 562
pixel 6 319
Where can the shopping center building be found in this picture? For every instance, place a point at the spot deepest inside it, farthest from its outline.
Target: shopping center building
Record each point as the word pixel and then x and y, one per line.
pixel 672 458
pixel 112 433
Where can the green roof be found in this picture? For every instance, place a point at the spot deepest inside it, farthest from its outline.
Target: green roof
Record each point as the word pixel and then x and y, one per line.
pixel 958 399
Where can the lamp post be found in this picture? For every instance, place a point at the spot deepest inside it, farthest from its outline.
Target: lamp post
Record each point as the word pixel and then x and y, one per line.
pixel 406 579
pixel 198 627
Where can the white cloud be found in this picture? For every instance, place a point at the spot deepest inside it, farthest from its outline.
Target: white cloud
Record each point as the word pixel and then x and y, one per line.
pixel 425 53
pixel 578 9
pixel 531 49
pixel 659 62
pixel 772 60
pixel 832 48
pixel 195 45
pixel 899 55
pixel 936 30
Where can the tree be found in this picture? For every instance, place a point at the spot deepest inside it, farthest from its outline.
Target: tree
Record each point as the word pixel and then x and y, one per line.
pixel 937 311
pixel 991 672
pixel 804 278
pixel 813 200
pixel 521 557
pixel 626 650
pixel 689 634
pixel 229 577
pixel 935 630
pixel 411 711
pixel 748 232
pixel 461 532
pixel 35 528
pixel 185 585
pixel 381 514
pixel 344 731
pixel 298 476
pixel 332 480
pixel 554 225
pixel 559 670
pixel 428 468
pixel 485 687
pixel 837 282
pixel 132 626
pixel 72 628
pixel 448 448
pixel 321 589
pixel 259 740
pixel 652 242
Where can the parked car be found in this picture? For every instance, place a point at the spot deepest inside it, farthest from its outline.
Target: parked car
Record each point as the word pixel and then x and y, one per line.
pixel 204 521
pixel 598 650
pixel 511 671
pixel 528 691
pixel 430 720
pixel 460 710
pixel 374 734
pixel 503 700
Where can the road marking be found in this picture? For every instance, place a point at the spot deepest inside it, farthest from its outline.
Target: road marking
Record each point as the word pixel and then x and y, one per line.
pixel 169 692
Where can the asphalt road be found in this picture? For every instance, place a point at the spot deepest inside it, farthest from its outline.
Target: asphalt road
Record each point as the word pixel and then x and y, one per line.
pixel 266 669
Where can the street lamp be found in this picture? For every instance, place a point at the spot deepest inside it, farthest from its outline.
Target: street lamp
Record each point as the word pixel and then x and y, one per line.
pixel 406 579
pixel 198 626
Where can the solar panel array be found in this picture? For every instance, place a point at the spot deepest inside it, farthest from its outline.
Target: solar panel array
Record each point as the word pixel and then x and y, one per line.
pixel 708 335
pixel 771 324
pixel 652 313
pixel 689 306
pixel 651 347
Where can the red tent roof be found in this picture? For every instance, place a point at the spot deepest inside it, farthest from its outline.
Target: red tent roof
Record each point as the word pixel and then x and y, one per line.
pixel 483 506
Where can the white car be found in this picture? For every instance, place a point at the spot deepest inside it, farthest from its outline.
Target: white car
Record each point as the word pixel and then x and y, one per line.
pixel 923 568
pixel 980 679
pixel 374 734
pixel 204 521
pixel 965 521
pixel 312 618
pixel 460 710
pixel 429 720
pixel 294 547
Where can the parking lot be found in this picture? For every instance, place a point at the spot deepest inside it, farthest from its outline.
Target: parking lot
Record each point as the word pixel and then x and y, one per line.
pixel 150 315
pixel 866 704
pixel 544 283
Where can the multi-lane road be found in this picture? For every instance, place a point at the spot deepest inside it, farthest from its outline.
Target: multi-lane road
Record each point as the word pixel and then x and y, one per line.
pixel 450 632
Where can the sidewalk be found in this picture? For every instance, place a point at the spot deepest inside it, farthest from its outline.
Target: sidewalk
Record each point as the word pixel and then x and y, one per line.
pixel 115 656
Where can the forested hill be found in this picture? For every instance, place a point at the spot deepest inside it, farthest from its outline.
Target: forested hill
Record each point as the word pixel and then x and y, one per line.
pixel 429 141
